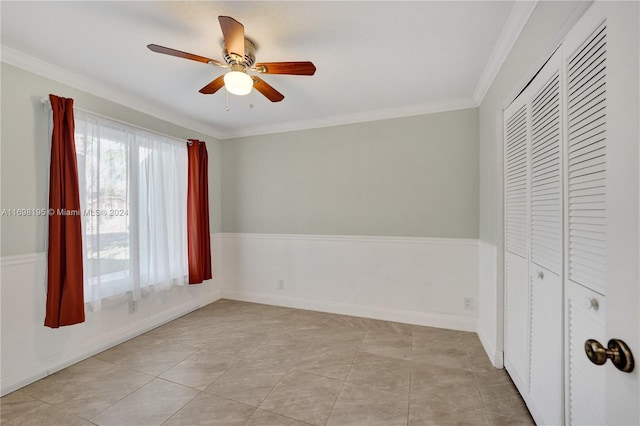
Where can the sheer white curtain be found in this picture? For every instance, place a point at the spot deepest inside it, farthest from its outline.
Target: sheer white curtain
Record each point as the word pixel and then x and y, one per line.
pixel 133 192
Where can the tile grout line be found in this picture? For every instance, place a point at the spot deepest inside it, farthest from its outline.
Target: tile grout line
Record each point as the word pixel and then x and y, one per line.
pixel 281 415
pixel 301 326
pixel 410 380
pixel 346 376
pixel 28 411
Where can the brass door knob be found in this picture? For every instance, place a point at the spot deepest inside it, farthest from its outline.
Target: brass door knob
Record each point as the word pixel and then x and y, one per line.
pixel 618 352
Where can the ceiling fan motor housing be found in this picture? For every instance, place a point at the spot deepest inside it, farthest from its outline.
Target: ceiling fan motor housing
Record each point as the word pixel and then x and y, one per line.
pixel 249 55
pixel 239 55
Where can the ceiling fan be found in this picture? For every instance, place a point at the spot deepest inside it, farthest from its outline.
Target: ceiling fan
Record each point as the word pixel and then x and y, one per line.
pixel 239 56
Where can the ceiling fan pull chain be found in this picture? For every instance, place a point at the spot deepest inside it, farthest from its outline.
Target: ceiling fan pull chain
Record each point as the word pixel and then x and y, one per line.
pixel 227 108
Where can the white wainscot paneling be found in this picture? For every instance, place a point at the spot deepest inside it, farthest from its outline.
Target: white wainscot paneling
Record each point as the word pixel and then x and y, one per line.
pixel 414 280
pixel 489 316
pixel 31 351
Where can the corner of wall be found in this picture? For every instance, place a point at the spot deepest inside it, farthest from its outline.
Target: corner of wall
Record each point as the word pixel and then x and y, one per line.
pixel 420 281
pixel 31 351
pixel 487 302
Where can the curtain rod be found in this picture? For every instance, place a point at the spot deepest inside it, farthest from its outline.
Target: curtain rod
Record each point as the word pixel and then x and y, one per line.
pixel 47 104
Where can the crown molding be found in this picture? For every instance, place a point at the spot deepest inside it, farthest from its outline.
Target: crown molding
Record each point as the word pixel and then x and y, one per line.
pixel 345 119
pixel 513 27
pixel 114 94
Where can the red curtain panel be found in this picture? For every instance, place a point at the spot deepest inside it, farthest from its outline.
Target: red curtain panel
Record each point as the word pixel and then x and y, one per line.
pixel 199 245
pixel 65 297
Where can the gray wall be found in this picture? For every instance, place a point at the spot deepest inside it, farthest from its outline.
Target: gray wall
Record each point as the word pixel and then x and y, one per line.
pixel 414 176
pixel 25 152
pixel 544 27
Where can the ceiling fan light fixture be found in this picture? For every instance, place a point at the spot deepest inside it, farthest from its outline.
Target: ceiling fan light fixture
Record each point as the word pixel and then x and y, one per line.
pixel 238 83
pixel 239 57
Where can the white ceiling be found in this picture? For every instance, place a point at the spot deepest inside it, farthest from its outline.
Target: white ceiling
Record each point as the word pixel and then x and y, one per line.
pixel 374 59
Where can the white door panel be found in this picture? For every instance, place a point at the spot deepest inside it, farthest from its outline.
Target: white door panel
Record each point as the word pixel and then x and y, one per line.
pixel 603 221
pixel 516 208
pixel 623 277
pixel 546 259
pixel 586 316
pixel 545 382
pixel 516 340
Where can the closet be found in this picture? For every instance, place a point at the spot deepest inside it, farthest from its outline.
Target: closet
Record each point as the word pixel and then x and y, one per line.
pixel 533 244
pixel 556 207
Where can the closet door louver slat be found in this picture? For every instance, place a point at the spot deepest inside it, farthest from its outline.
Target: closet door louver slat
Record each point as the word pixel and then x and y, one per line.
pixel 546 191
pixel 586 105
pixel 516 187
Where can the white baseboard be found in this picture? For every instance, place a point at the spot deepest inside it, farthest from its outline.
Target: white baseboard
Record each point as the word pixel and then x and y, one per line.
pixel 409 317
pixel 414 280
pixel 496 357
pixel 17 379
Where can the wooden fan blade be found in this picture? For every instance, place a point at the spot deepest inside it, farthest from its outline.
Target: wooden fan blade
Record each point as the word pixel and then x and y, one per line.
pixel 293 68
pixel 269 92
pixel 233 32
pixel 181 54
pixel 213 87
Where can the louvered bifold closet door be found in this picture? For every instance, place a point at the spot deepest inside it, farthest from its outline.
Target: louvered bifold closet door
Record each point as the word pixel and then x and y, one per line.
pixel 516 131
pixel 545 357
pixel 586 96
pixel 586 76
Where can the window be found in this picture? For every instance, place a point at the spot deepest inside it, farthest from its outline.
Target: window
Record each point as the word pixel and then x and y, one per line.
pixel 133 193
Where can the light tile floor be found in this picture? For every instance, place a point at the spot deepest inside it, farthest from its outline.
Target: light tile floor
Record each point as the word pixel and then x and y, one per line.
pixel 236 363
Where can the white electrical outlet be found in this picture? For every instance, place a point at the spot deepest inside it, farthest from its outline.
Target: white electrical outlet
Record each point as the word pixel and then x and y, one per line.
pixel 133 306
pixel 281 285
pixel 468 304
